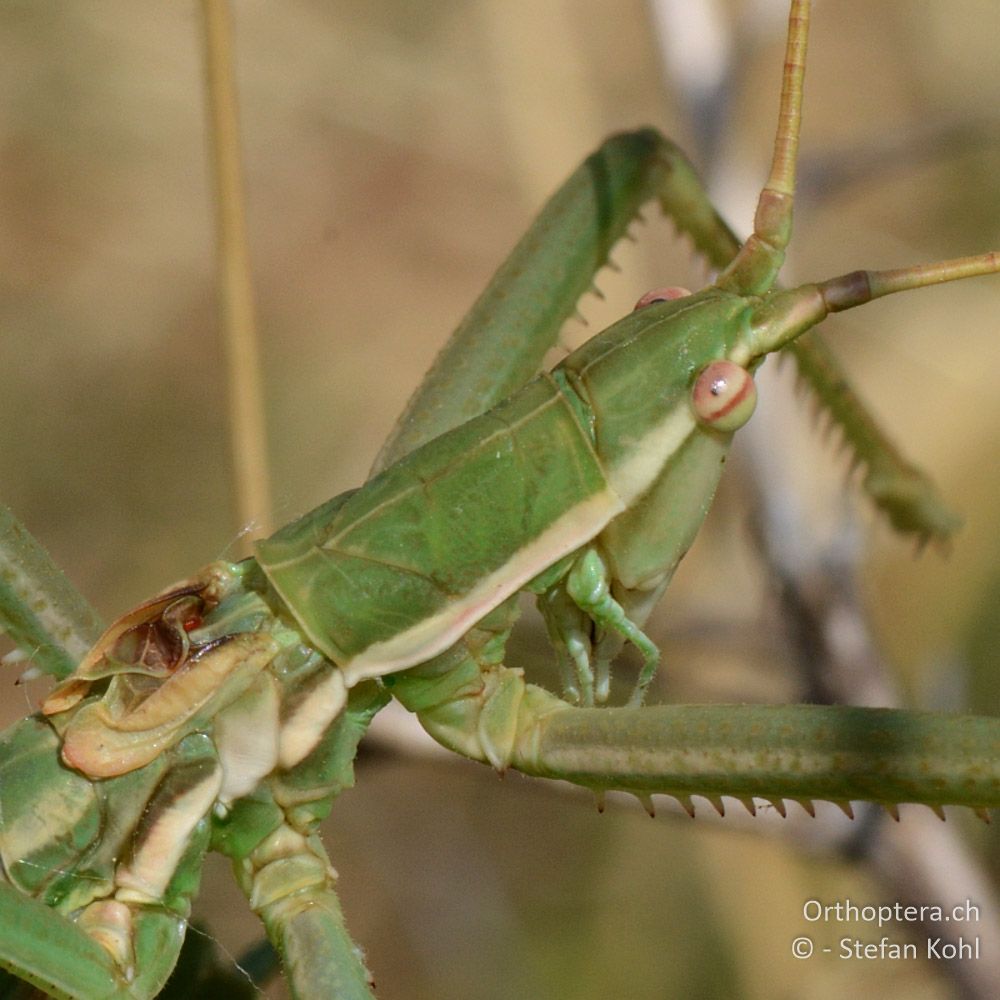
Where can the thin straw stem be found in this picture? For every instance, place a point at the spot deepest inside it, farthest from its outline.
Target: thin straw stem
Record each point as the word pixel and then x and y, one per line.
pixel 246 411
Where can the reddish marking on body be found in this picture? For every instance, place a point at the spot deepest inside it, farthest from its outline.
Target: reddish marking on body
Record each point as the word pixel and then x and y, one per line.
pixel 667 294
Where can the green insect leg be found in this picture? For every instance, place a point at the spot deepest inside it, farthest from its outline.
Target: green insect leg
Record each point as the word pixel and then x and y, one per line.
pixel 571 633
pixel 289 882
pixel 466 698
pixel 272 838
pixel 39 608
pixel 581 607
pixel 501 342
pixel 42 947
pixel 109 920
pixel 589 585
pixel 899 489
pixel 799 752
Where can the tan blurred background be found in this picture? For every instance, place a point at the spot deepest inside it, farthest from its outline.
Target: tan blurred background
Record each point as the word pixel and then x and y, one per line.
pixel 394 151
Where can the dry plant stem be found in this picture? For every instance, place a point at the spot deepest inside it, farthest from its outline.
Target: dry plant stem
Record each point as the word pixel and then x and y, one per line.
pixel 925 861
pixel 246 411
pixel 919 861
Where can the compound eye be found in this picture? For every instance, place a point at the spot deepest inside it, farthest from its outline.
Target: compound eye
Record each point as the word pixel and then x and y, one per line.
pixel 667 294
pixel 723 396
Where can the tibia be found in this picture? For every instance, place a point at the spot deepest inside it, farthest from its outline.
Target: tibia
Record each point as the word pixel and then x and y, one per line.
pixel 800 752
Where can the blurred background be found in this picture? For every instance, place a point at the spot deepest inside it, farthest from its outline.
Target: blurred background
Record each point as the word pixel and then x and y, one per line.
pixel 393 153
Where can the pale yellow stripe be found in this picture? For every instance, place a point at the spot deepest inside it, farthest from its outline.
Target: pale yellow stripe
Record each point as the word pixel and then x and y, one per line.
pixel 633 476
pixel 154 862
pixel 434 635
pixel 302 731
pixel 52 810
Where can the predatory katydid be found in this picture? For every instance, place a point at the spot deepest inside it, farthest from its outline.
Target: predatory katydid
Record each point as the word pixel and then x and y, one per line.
pixel 225 711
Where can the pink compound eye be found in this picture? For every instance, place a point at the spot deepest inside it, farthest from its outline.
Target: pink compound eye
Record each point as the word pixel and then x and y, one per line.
pixel 662 295
pixel 723 396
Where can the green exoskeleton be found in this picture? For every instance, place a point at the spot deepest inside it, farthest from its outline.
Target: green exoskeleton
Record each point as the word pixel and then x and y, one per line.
pixel 226 711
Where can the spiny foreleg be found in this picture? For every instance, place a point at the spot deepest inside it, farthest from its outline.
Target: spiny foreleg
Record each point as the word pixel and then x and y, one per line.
pixel 272 838
pixel 473 704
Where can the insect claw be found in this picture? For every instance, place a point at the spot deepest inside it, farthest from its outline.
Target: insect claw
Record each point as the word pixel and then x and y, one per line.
pixel 686 804
pixel 717 804
pixel 845 808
